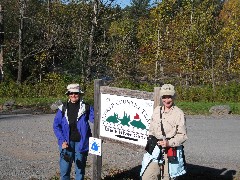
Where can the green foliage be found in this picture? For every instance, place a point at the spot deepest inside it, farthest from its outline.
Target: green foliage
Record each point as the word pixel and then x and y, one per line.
pixel 193 100
pixel 223 93
pixel 128 84
pixel 53 85
pixel 89 93
pixel 195 94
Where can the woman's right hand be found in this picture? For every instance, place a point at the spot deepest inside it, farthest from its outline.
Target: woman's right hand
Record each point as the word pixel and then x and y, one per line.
pixel 163 143
pixel 64 145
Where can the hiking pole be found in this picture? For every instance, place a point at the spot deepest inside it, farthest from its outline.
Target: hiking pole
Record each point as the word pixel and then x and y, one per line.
pixel 164 172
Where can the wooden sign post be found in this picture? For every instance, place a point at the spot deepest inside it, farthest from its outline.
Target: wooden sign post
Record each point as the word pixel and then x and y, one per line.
pixel 97 160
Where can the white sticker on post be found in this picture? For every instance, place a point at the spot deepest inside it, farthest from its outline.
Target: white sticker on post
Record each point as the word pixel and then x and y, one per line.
pixel 95 146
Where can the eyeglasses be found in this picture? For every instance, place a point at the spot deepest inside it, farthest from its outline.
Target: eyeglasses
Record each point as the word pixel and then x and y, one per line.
pixel 166 97
pixel 75 93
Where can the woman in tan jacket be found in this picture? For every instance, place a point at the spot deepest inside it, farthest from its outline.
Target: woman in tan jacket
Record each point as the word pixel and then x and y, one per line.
pixel 168 126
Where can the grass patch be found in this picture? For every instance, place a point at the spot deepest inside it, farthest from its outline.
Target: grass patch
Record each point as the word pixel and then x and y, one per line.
pixel 202 108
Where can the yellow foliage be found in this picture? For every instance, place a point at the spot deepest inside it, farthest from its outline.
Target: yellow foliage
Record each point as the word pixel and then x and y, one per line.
pixel 41 57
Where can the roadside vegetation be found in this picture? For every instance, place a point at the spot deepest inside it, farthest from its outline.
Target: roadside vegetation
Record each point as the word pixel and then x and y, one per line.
pixel 192 99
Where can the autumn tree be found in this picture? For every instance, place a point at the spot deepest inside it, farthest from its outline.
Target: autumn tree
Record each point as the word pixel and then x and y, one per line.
pixel 229 38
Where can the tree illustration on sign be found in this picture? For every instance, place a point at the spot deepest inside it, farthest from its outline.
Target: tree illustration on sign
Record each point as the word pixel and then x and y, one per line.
pixel 113 119
pixel 137 122
pixel 126 120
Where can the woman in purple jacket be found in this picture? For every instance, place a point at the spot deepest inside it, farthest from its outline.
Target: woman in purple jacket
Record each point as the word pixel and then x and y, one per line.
pixel 72 130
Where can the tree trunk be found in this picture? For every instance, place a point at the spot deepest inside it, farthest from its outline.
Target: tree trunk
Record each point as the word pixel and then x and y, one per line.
pixel 213 79
pixel 1 43
pixel 20 41
pixel 230 54
pixel 91 39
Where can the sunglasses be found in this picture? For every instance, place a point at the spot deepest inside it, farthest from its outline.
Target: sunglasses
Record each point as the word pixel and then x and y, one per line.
pixel 167 97
pixel 75 93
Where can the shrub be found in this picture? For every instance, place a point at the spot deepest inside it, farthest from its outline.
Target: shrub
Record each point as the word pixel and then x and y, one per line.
pixel 54 86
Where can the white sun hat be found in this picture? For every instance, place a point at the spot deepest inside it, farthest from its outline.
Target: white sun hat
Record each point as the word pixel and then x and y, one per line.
pixel 74 88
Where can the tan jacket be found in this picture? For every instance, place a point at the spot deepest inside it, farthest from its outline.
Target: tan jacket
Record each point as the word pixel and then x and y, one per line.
pixel 174 125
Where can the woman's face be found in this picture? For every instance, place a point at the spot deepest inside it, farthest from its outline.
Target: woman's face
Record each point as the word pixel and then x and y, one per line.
pixel 73 96
pixel 167 101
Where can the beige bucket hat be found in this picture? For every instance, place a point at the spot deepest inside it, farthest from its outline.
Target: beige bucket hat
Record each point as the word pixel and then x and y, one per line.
pixel 167 89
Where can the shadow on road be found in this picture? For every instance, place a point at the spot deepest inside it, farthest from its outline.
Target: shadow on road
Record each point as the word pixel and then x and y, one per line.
pixel 194 172
pixel 12 116
pixel 200 172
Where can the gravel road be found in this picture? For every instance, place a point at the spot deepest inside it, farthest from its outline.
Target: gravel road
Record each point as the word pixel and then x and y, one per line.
pixel 29 148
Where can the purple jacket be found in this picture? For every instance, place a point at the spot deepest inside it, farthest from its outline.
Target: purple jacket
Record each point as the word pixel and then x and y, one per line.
pixel 61 127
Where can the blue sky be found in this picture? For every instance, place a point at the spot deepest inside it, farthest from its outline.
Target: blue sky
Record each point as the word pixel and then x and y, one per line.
pixel 124 3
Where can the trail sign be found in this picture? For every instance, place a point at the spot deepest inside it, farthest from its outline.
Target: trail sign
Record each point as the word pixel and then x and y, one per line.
pixel 125 119
pixel 95 146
